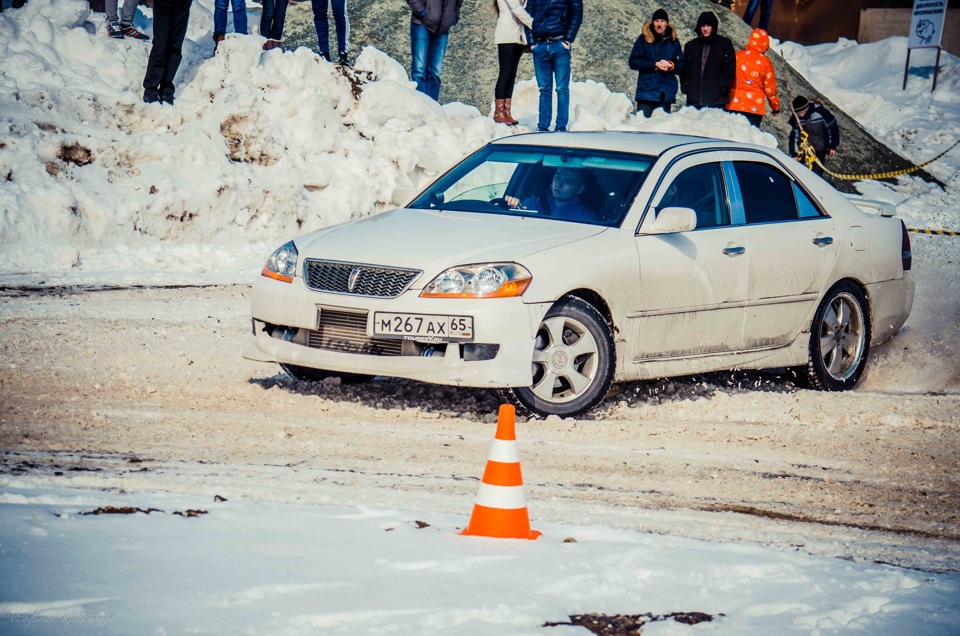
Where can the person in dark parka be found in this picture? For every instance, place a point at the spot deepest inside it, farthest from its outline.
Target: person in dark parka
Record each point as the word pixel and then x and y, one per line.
pixel 659 60
pixel 711 65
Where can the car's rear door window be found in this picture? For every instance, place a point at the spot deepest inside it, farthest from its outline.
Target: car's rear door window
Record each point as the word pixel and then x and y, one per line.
pixel 767 193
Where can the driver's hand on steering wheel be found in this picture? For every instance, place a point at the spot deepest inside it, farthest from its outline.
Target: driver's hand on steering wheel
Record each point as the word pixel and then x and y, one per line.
pixel 513 202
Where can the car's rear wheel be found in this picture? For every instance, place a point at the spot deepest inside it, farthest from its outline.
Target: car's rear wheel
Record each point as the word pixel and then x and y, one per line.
pixel 839 339
pixel 308 374
pixel 573 362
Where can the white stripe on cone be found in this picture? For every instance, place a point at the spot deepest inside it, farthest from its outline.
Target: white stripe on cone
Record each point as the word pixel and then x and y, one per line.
pixel 505 497
pixel 504 451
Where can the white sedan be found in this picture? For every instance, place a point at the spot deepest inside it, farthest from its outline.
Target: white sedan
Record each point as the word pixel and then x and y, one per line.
pixel 553 265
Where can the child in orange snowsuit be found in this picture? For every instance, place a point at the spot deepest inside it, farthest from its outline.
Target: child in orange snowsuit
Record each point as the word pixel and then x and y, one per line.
pixel 755 82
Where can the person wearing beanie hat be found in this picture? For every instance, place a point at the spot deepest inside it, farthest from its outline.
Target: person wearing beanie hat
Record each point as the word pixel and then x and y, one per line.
pixel 658 60
pixel 823 132
pixel 711 65
pixel 755 83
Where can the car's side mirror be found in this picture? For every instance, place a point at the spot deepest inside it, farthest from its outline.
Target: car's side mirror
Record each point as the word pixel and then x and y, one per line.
pixel 672 220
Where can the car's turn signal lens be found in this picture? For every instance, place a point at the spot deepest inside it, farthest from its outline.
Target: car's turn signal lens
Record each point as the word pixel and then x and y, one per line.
pixel 282 264
pixel 484 280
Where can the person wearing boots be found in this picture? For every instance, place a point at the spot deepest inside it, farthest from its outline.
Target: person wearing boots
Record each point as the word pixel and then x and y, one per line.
pixel 220 19
pixel 341 24
pixel 430 24
pixel 170 19
pixel 658 60
pixel 510 39
pixel 555 27
pixel 823 132
pixel 756 82
pixel 711 65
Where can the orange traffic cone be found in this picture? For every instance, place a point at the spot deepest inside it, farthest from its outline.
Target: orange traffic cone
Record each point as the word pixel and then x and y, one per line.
pixel 501 508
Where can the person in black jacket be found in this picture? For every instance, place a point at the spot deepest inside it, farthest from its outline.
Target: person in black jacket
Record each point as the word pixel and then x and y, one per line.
pixel 555 26
pixel 823 132
pixel 711 65
pixel 170 19
pixel 430 24
pixel 659 59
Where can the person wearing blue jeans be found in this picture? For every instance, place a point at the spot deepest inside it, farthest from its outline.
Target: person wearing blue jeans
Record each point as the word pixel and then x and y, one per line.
pixel 765 6
pixel 555 26
pixel 430 24
pixel 271 22
pixel 220 19
pixel 340 22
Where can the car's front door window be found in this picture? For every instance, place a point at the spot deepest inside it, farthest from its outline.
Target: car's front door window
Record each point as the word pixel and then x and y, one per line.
pixel 699 188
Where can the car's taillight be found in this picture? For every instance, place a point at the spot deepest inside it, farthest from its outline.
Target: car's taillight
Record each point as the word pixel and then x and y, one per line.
pixel 906 256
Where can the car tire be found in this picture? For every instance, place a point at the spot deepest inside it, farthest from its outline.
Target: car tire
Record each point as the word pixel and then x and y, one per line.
pixel 308 374
pixel 839 340
pixel 573 362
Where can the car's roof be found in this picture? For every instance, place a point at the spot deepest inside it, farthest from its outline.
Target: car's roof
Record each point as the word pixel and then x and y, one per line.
pixel 648 143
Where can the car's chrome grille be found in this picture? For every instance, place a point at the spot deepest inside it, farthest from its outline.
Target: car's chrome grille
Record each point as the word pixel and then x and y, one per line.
pixel 357 278
pixel 347 331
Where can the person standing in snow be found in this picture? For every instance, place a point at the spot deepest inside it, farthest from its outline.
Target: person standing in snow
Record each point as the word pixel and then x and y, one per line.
pixel 122 26
pixel 271 22
pixel 170 19
pixel 341 24
pixel 711 65
pixel 756 82
pixel 430 24
pixel 658 58
pixel 823 132
pixel 766 8
pixel 220 19
pixel 510 39
pixel 555 27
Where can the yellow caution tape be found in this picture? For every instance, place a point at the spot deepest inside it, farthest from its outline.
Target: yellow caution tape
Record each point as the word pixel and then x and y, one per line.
pixel 809 157
pixel 937 232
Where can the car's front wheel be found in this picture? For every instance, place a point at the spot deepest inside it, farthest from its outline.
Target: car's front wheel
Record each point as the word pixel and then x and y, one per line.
pixel 573 362
pixel 318 375
pixel 839 339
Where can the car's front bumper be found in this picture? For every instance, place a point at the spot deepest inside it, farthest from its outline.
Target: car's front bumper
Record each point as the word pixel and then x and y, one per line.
pixel 507 322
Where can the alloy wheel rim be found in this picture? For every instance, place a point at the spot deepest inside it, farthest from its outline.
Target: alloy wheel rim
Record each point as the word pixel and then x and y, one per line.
pixel 842 337
pixel 565 360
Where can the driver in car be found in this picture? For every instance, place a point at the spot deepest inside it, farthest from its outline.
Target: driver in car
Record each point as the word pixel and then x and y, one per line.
pixel 562 200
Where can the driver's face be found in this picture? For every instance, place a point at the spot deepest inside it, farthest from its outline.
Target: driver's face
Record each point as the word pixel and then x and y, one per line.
pixel 566 185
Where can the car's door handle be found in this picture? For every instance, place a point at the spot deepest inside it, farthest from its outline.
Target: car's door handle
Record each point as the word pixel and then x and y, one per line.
pixel 734 251
pixel 823 240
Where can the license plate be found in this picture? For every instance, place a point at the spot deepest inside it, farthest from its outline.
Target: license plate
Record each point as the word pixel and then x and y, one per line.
pixel 423 327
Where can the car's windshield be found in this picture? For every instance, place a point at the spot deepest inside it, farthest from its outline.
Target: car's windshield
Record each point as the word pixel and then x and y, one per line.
pixel 567 184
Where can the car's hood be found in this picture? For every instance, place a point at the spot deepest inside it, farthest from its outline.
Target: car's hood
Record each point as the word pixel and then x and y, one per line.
pixel 432 240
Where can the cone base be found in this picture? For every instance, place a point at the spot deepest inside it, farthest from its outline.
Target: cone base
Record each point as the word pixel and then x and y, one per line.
pixel 500 523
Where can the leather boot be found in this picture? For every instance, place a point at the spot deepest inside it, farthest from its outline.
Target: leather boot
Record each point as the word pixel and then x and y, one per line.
pixel 506 111
pixel 498 112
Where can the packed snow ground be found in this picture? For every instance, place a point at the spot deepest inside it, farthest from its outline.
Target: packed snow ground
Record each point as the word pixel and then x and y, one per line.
pixel 263 146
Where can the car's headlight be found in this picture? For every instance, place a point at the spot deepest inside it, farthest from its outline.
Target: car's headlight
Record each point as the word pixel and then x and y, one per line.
pixel 486 280
pixel 282 264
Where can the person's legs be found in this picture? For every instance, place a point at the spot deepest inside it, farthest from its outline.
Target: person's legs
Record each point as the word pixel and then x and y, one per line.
pixel 561 69
pixel 754 118
pixel 266 18
pixel 419 45
pixel 322 26
pixel 128 12
pixel 240 17
pixel 750 11
pixel 178 30
pixel 157 62
pixel 766 7
pixel 219 17
pixel 508 60
pixel 437 50
pixel 543 70
pixel 645 107
pixel 110 11
pixel 279 15
pixel 342 24
pixel 666 106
